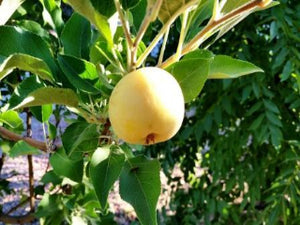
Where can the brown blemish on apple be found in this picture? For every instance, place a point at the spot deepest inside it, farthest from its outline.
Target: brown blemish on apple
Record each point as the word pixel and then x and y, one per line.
pixel 150 139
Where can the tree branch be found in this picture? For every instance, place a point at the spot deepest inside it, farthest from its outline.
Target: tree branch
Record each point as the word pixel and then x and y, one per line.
pixel 7 134
pixel 6 219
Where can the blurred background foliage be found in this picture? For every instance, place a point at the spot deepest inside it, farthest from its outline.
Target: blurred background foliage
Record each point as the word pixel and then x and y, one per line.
pixel 239 145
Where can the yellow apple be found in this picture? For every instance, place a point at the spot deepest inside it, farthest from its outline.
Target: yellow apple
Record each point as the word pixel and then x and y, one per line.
pixel 146 106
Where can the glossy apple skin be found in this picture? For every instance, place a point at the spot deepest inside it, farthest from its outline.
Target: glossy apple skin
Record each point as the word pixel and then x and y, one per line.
pixel 146 106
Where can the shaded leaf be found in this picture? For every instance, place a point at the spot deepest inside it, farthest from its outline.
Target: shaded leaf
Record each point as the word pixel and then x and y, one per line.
pixel 105 168
pixel 63 166
pixel 79 72
pixel 27 86
pixel 169 8
pixel 51 177
pixel 140 186
pixel 86 9
pixel 80 137
pixel 52 14
pixel 104 7
pixel 22 148
pixel 76 36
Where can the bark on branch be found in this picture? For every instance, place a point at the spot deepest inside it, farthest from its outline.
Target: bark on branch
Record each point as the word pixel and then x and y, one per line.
pixel 7 134
pixel 6 219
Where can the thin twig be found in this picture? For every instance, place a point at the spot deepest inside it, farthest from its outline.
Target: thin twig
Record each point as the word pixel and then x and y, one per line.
pixel 162 31
pixel 182 34
pixel 163 47
pixel 126 30
pixel 209 28
pixel 144 26
pixel 30 164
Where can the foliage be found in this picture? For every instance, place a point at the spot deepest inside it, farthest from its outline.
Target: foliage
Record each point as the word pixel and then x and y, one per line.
pixel 242 134
pixel 239 148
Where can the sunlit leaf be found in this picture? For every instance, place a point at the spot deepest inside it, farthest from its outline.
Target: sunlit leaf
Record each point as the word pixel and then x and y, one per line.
pixel 27 63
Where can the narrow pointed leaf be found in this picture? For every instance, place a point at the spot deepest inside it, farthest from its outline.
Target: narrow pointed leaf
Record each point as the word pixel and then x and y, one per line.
pixel 105 168
pixel 26 63
pixel 223 67
pixel 140 186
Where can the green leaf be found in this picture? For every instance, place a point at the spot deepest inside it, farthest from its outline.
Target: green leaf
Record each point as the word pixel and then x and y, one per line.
pixel 104 7
pixel 191 73
pixel 49 205
pixel 26 63
pixel 105 168
pixel 52 14
pixel 271 106
pixel 80 137
pixel 16 40
pixel 223 67
pixel 27 86
pixel 128 4
pixel 202 13
pixel 231 5
pixel 276 135
pixel 22 148
pixel 86 9
pixel 287 71
pixel 51 177
pixel 79 72
pixel 46 112
pixel 49 95
pixel 11 118
pixel 34 27
pixel 140 186
pixel 273 118
pixel 7 8
pixel 257 122
pixel 76 36
pixel 52 131
pixel 169 8
pixel 63 166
